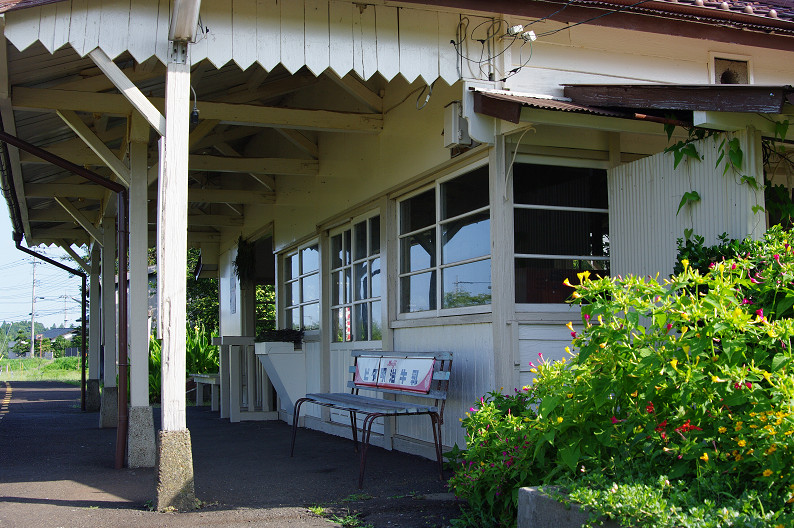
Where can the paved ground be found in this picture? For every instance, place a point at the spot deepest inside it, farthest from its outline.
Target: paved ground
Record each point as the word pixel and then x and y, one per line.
pixel 56 470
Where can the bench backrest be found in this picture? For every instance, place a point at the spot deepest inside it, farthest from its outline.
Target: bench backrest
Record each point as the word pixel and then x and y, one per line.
pixel 421 374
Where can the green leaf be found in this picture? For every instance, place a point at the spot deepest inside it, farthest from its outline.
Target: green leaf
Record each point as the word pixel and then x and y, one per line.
pixel 758 209
pixel 569 456
pixel 781 128
pixel 779 361
pixel 547 405
pixel 669 129
pixel 691 151
pixel 687 232
pixel 688 197
pixel 749 180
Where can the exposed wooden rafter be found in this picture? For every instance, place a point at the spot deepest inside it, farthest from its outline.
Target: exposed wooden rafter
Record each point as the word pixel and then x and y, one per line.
pixel 236 114
pixel 99 148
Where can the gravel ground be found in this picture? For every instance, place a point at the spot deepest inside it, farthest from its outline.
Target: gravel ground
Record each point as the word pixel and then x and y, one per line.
pixel 56 470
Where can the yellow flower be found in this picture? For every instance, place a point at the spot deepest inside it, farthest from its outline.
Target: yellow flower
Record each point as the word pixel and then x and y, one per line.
pixel 705 457
pixel 634 394
pixel 583 276
pixel 741 443
pixel 526 419
pixel 685 263
pixel 789 432
pixel 570 325
pixel 722 429
pixel 603 345
pixel 560 419
pixel 767 472
pixel 738 457
pixel 567 282
pixel 771 449
pixel 738 426
pixel 533 370
pixel 674 364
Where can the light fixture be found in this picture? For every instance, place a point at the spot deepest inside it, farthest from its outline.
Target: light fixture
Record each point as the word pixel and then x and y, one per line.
pixel 184 20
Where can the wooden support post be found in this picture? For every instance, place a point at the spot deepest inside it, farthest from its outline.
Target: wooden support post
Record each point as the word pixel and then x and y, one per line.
pixel 235 383
pixel 175 478
pixel 141 441
pixel 139 283
pixel 223 369
pixel 108 415
pixel 94 332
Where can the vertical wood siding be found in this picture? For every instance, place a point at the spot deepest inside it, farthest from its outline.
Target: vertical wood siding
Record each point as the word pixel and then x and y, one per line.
pixel 472 374
pixel 644 196
pixel 319 34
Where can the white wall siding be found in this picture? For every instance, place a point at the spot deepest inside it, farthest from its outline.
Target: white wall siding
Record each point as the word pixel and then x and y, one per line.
pixel 471 378
pixel 314 354
pixel 320 34
pixel 644 196
pixel 547 339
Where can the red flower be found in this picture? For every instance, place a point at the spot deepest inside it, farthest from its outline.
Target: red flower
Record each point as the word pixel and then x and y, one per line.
pixel 660 427
pixel 649 408
pixel 687 427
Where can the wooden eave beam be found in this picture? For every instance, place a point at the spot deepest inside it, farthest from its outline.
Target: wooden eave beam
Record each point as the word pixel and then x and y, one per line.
pixel 71 190
pixel 296 167
pixel 300 141
pixel 211 220
pixel 100 83
pixel 99 148
pixel 75 149
pixel 232 196
pixel 234 114
pixel 265 180
pixel 717 97
pixel 128 89
pixel 732 121
pixel 200 132
pixel 359 91
pixel 63 244
pixel 80 218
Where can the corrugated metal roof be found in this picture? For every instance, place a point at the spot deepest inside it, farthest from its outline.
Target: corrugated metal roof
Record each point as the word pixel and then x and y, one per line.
pixel 762 13
pixel 553 104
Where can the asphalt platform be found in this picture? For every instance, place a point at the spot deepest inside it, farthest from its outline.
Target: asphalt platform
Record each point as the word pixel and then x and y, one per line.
pixel 56 470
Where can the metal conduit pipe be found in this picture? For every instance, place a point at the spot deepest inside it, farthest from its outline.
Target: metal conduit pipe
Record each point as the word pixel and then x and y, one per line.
pixel 9 192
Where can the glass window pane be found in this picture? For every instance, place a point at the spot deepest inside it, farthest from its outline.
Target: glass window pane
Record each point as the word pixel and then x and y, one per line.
pixel 541 280
pixel 336 251
pixel 418 251
pixel 360 280
pixel 359 241
pixel 418 292
pixel 292 293
pixel 466 238
pixel 374 271
pixel 291 269
pixel 340 320
pixel 374 235
pixel 311 316
pixel 346 246
pixel 418 212
pixel 311 287
pixel 467 284
pixel 377 333
pixel 464 193
pixel 292 319
pixel 361 321
pixel 561 232
pixel 310 257
pixel 337 288
pixel 563 186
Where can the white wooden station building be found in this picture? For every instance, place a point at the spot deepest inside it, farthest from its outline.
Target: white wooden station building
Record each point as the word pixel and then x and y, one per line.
pixel 415 175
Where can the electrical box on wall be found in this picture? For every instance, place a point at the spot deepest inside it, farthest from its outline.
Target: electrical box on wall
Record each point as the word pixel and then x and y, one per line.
pixel 456 128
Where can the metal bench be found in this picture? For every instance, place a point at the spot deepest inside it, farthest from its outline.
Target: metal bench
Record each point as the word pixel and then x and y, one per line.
pixel 213 380
pixel 422 375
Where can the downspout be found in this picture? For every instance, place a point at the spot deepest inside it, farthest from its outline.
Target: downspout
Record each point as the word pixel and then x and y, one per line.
pixel 13 206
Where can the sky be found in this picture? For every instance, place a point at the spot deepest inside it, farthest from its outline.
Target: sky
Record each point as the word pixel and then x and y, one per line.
pixel 57 291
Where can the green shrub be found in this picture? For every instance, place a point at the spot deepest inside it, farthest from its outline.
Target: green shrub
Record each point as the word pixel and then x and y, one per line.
pixel 684 387
pixel 201 357
pixel 63 363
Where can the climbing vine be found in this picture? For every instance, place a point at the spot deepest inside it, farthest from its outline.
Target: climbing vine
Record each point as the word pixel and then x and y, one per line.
pixel 778 201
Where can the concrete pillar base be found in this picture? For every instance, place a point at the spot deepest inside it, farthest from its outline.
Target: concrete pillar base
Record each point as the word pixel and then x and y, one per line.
pixel 92 400
pixel 141 450
pixel 175 488
pixel 109 410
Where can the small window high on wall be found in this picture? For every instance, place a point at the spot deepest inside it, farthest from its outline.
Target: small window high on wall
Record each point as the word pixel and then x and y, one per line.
pixel 302 289
pixel 561 228
pixel 445 245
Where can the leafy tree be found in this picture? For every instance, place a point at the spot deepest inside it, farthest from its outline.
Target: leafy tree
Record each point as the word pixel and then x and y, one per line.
pixel 59 346
pixel 22 345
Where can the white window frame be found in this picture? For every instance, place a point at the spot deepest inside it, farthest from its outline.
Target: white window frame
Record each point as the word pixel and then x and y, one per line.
pixel 286 285
pixel 553 308
pixel 352 302
pixel 439 267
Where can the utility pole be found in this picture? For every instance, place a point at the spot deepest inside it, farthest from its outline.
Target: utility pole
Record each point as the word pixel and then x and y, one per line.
pixel 33 313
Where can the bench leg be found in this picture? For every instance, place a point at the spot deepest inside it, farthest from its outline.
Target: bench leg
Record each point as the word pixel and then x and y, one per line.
pixel 366 431
pixel 296 410
pixel 355 431
pixel 437 439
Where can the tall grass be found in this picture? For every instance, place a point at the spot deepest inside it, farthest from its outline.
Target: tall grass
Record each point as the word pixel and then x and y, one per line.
pixel 39 369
